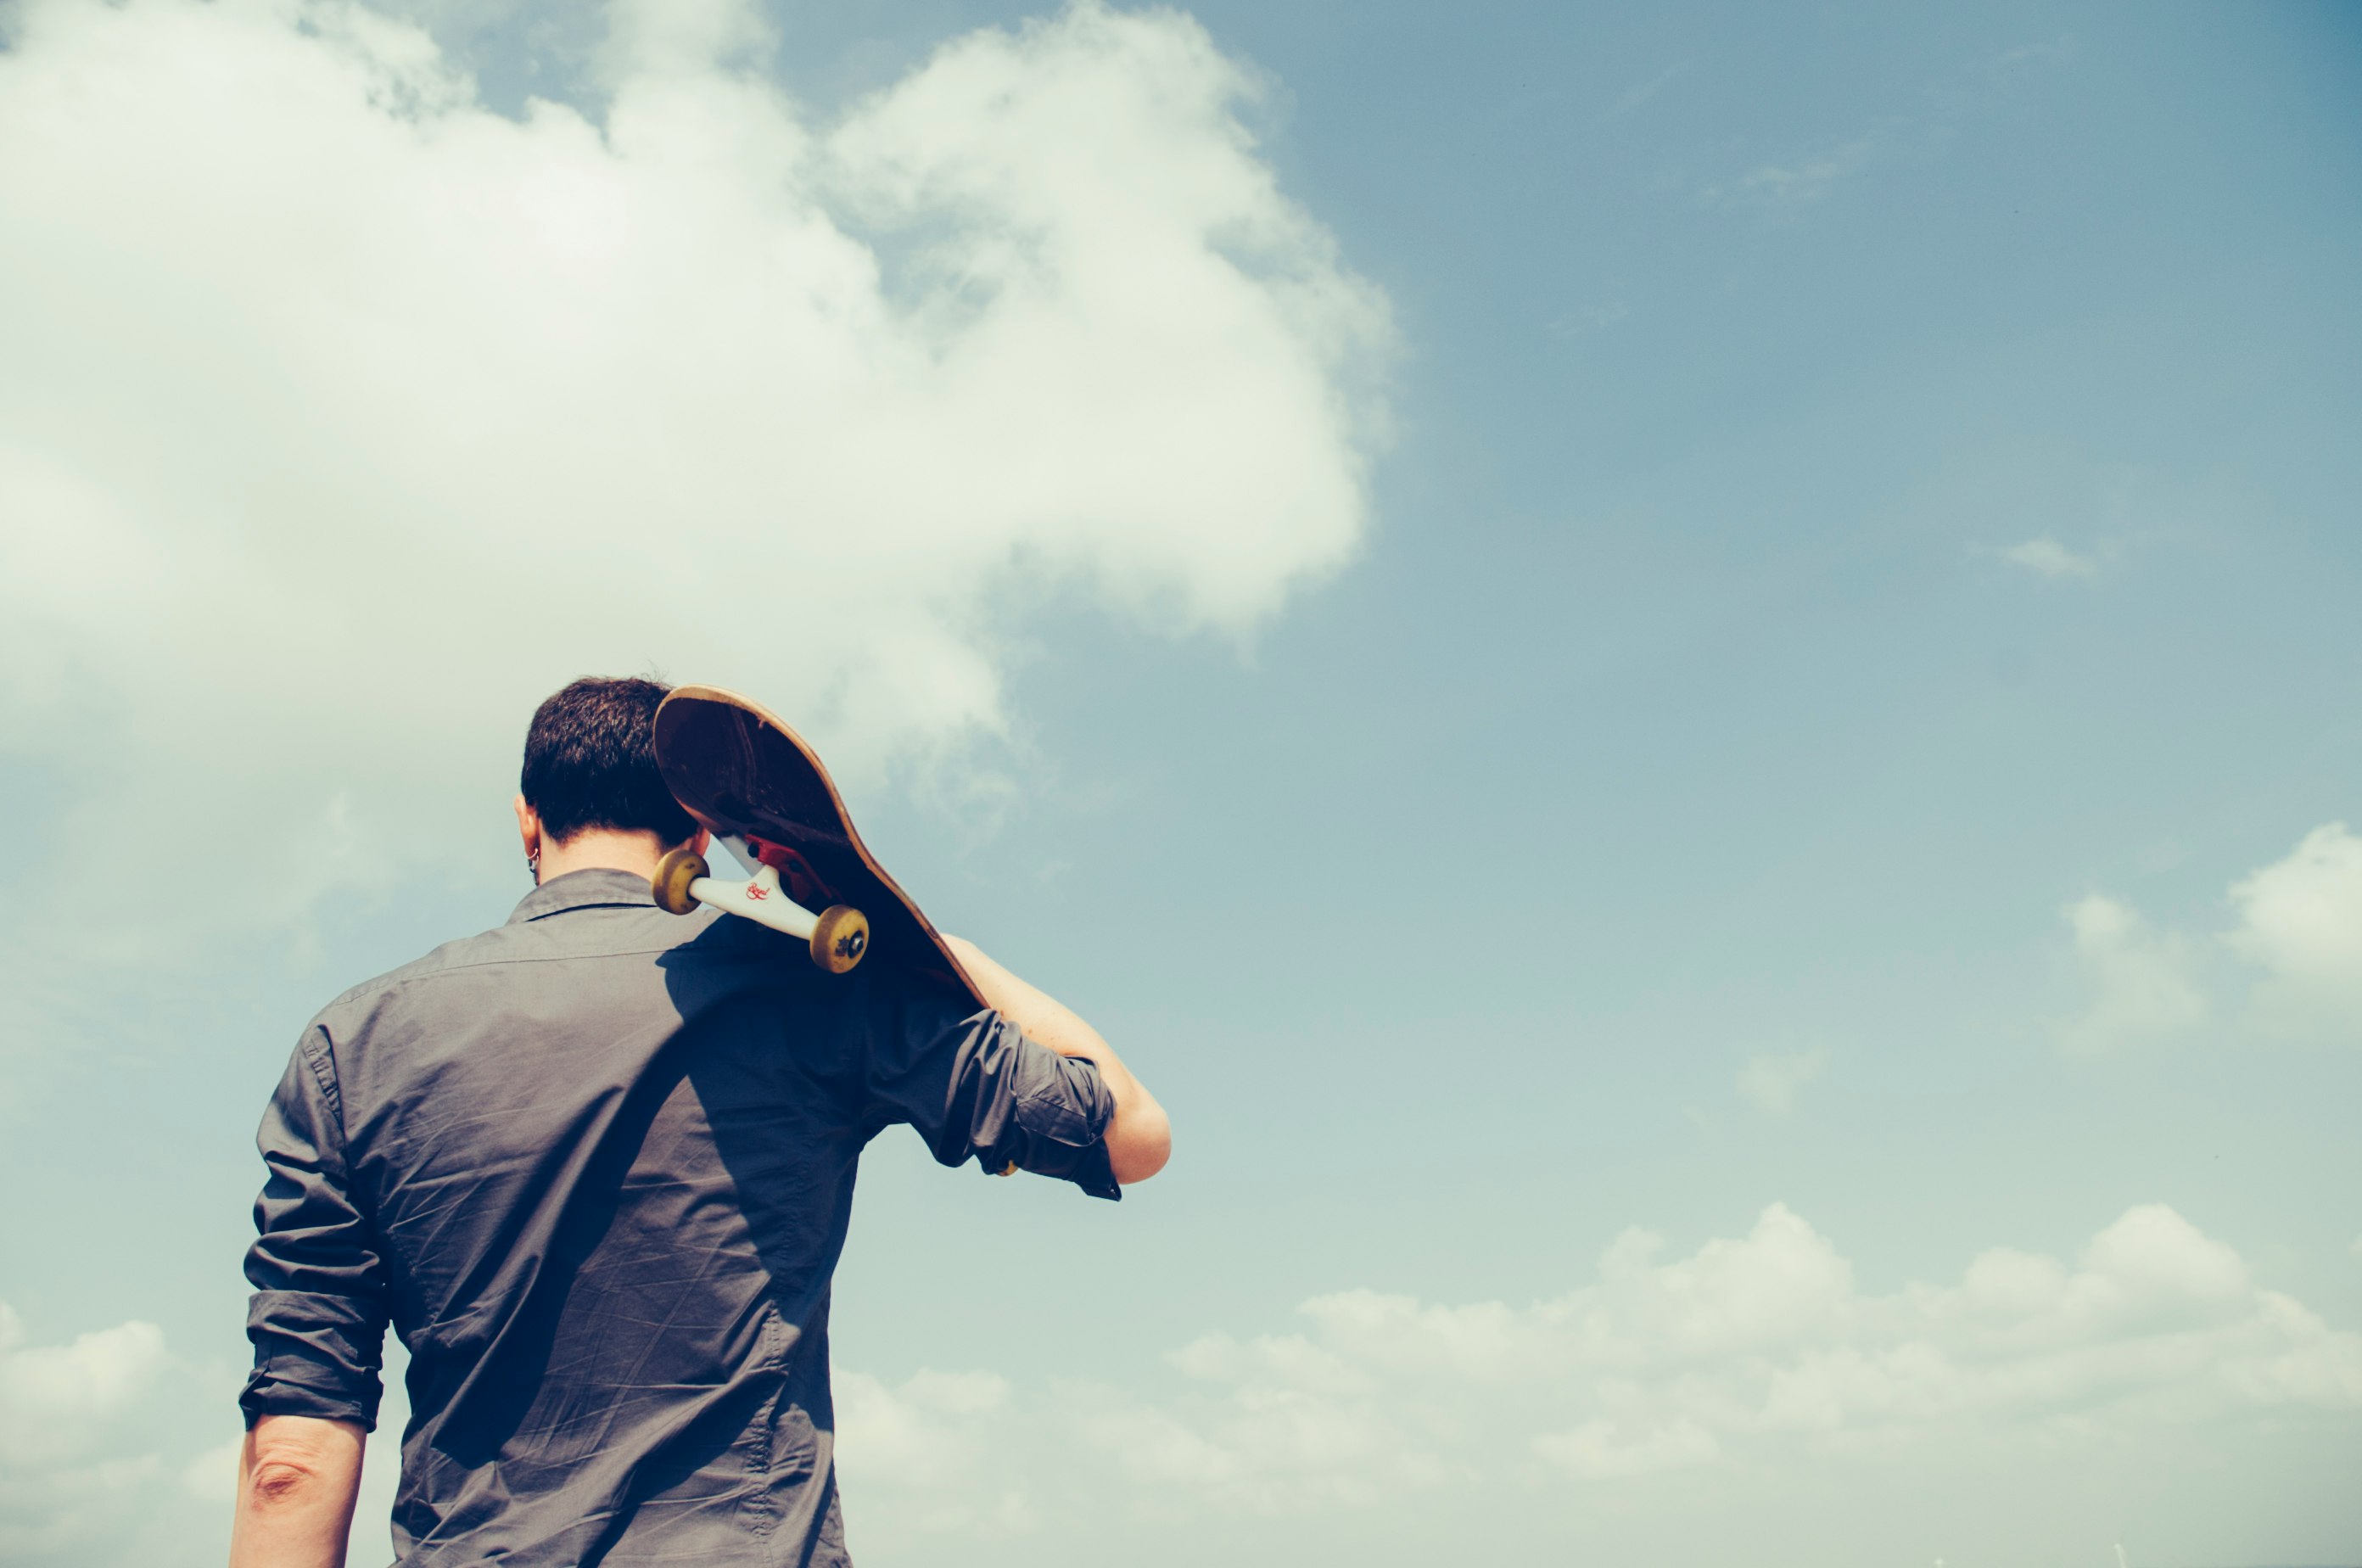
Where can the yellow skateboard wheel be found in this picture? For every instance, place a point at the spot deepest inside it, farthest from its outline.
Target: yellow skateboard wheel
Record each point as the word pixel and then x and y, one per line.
pixel 839 938
pixel 675 872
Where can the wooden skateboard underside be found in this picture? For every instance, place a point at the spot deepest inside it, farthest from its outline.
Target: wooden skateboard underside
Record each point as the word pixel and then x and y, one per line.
pixel 744 774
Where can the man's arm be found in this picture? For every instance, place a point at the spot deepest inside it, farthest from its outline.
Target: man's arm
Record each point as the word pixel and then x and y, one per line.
pixel 317 1320
pixel 1139 1139
pixel 297 1477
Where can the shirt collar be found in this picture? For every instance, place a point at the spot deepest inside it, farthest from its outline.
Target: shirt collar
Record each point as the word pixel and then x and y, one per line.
pixel 596 889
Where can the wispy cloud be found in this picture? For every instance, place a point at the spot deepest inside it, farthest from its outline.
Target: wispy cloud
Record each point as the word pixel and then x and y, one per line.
pixel 1771 1082
pixel 2142 983
pixel 2047 558
pixel 1638 94
pixel 1941 109
pixel 1590 319
pixel 1811 178
pixel 2045 54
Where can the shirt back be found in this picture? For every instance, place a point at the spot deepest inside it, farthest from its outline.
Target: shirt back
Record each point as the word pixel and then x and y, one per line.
pixel 595 1167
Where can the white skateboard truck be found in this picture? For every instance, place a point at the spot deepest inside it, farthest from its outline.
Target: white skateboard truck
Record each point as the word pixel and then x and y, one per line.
pixel 839 934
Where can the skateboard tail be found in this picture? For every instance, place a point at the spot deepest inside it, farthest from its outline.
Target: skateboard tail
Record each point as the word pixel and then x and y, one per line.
pixel 752 781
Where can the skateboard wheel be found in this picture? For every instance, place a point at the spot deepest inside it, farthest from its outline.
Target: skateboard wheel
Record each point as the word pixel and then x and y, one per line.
pixel 839 938
pixel 675 872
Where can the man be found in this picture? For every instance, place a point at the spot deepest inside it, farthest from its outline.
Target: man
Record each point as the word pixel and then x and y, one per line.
pixel 594 1167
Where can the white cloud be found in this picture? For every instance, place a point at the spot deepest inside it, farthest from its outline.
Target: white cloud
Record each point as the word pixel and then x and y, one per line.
pixel 67 1512
pixel 2299 928
pixel 1602 1451
pixel 2048 558
pixel 101 1460
pixel 2050 52
pixel 929 1434
pixel 900 1424
pixel 1759 1354
pixel 1770 1081
pixel 1812 178
pixel 69 1468
pixel 1941 111
pixel 55 1400
pixel 344 418
pixel 1755 1358
pixel 212 1476
pixel 2300 921
pixel 2142 982
pixel 1588 320
pixel 1640 92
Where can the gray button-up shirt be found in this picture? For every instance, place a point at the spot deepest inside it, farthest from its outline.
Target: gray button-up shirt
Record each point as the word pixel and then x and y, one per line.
pixel 595 1166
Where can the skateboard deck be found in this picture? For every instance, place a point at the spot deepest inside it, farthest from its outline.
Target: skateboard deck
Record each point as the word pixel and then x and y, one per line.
pixel 751 781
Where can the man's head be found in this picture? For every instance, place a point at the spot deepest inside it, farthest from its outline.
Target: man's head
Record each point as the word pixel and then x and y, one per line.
pixel 591 769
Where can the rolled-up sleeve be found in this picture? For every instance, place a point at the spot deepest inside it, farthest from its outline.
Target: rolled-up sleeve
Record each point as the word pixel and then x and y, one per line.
pixel 318 1314
pixel 974 1086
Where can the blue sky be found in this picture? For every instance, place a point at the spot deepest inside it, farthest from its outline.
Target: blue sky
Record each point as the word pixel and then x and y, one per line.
pixel 1772 666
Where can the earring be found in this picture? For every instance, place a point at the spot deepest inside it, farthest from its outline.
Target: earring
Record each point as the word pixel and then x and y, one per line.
pixel 533 863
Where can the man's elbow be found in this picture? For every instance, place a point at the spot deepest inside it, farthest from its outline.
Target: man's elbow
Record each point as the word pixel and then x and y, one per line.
pixel 291 1463
pixel 1139 1146
pixel 280 1484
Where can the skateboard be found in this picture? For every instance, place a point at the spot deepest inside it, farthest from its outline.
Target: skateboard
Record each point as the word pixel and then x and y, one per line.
pixel 753 783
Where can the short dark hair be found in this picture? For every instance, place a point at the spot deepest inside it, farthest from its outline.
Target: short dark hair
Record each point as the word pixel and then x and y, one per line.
pixel 590 762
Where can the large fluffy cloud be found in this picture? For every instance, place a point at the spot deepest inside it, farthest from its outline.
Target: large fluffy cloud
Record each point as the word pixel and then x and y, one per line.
pixel 342 417
pixel 1753 1367
pixel 1759 1355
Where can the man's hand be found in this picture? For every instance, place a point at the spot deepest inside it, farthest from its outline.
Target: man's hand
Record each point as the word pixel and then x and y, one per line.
pixel 1139 1139
pixel 297 1477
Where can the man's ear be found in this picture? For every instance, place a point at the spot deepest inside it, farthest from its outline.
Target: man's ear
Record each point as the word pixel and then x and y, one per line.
pixel 528 827
pixel 702 845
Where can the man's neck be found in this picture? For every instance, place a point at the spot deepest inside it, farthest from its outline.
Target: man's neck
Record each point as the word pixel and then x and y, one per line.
pixel 602 849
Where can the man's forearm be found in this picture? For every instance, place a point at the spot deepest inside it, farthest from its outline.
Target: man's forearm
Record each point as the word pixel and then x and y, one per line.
pixel 297 1479
pixel 1139 1138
